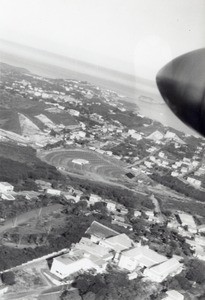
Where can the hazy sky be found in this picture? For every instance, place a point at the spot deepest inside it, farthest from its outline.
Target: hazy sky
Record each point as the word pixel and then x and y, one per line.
pixel 129 35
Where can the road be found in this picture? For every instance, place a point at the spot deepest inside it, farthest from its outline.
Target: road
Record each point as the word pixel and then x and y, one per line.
pixel 157 208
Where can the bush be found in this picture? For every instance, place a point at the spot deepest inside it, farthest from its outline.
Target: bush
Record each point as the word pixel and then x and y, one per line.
pixel 8 278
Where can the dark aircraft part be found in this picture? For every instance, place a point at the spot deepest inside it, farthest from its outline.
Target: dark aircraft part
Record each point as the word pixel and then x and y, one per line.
pixel 182 85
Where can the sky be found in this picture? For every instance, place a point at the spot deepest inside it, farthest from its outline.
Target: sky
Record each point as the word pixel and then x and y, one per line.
pixel 132 36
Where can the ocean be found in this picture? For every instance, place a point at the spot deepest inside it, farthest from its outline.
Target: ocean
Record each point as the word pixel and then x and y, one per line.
pixel 128 86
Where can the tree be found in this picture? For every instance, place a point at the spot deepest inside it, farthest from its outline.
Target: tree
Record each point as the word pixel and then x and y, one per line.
pixel 8 278
pixel 195 271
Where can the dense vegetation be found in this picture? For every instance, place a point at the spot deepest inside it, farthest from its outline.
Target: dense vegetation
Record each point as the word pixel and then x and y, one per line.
pixel 114 286
pixel 123 196
pixel 179 186
pixel 19 163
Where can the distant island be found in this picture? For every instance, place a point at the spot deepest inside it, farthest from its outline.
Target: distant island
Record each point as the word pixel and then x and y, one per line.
pixel 149 100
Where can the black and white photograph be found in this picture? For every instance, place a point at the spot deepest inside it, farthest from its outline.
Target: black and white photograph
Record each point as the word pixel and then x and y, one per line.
pixel 102 150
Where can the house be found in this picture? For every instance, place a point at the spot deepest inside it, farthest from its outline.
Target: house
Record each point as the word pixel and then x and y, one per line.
pixel 111 206
pixel 74 112
pixel 173 295
pixel 174 174
pixel 98 231
pixel 161 154
pixel 74 261
pixel 53 192
pixel 94 199
pixel 87 245
pixel 6 187
pixel 117 243
pixel 43 184
pixel 193 181
pixel 140 256
pixel 8 197
pixel 159 272
pixel 137 213
pixel 188 220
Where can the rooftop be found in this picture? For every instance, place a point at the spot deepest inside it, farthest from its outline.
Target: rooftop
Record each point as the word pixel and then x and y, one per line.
pixel 166 267
pixel 119 242
pixel 146 256
pixel 100 230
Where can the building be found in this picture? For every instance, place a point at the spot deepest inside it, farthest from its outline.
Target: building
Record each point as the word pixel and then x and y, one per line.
pixel 137 213
pixel 140 256
pixel 53 192
pixel 98 231
pixel 188 220
pixel 75 261
pixel 6 187
pixel 117 243
pixel 174 174
pixel 80 161
pixel 87 245
pixel 94 199
pixel 173 295
pixel 159 272
pixel 111 206
pixel 193 181
pixel 7 197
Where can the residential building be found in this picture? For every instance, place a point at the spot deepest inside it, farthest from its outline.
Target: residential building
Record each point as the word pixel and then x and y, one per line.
pixel 53 192
pixel 94 198
pixel 111 206
pixel 160 271
pixel 6 187
pixel 76 260
pixel 188 220
pixel 98 231
pixel 193 181
pixel 117 243
pixel 140 256
pixel 7 197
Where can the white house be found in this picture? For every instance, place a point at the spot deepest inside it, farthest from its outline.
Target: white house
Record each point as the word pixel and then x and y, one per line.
pixel 111 206
pixel 75 261
pixel 160 271
pixel 53 192
pixel 6 187
pixel 188 220
pixel 117 243
pixel 194 181
pixel 94 199
pixel 140 256
pixel 137 213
